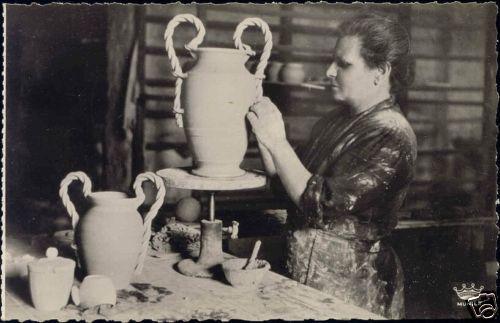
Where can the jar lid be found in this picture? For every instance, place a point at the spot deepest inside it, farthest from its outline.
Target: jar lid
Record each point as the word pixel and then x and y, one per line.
pixel 52 263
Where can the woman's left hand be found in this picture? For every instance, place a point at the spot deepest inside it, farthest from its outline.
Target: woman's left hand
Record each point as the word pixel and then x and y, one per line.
pixel 267 123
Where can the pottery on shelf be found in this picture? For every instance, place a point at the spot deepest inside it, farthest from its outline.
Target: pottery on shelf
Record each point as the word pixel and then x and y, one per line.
pixel 273 71
pixel 293 73
pixel 111 237
pixel 50 281
pixel 213 98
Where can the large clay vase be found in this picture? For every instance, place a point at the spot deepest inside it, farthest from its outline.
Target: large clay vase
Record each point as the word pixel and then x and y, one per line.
pixel 215 97
pixel 111 238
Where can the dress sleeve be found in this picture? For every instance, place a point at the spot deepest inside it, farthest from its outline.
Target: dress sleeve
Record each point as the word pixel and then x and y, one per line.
pixel 370 170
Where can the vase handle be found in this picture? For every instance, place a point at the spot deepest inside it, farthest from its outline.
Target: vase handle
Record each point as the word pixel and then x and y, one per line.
pixel 153 211
pixel 266 52
pixel 174 61
pixel 63 193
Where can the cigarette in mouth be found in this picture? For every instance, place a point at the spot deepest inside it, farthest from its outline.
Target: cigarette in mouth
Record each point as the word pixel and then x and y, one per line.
pixel 313 86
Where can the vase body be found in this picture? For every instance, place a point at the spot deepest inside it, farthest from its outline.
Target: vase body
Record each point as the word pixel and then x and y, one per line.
pixel 216 97
pixel 109 236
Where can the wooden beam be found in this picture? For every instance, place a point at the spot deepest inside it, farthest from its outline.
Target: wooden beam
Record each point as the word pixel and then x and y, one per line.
pixel 118 151
pixel 490 130
pixel 138 138
pixel 420 224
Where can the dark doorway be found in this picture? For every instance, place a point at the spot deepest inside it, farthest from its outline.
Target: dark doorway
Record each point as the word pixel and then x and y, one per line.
pixel 56 99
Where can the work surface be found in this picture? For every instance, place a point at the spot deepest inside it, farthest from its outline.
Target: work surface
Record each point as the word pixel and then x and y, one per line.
pixel 161 293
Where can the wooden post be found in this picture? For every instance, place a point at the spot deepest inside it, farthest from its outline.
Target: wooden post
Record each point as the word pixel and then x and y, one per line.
pixel 138 138
pixel 490 130
pixel 117 147
pixel 286 33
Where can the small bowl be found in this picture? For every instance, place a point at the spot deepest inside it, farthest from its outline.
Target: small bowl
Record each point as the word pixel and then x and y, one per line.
pixel 239 277
pixel 94 290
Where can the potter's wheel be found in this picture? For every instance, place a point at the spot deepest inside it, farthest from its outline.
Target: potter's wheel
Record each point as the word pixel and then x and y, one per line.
pixel 211 230
pixel 191 268
pixel 183 178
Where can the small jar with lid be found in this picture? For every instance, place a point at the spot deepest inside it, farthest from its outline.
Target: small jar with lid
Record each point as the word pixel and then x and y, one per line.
pixel 50 281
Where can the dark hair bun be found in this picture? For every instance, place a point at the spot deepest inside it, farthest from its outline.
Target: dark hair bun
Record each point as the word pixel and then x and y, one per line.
pixel 383 41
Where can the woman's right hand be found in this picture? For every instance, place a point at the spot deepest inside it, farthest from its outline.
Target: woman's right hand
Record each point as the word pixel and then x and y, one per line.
pixel 267 124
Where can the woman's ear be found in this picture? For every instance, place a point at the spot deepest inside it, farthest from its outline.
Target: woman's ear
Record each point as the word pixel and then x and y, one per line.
pixel 384 70
pixel 382 73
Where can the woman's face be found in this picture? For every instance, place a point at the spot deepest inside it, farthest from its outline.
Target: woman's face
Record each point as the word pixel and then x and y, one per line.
pixel 352 80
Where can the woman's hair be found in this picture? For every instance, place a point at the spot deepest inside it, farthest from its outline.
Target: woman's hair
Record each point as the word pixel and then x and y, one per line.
pixel 383 41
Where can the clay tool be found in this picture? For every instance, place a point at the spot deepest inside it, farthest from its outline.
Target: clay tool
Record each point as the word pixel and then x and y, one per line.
pixel 251 261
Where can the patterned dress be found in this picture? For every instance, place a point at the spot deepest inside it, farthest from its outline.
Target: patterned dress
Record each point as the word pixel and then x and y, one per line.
pixel 362 165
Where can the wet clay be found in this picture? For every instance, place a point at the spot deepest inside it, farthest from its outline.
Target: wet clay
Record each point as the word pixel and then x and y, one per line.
pixel 126 299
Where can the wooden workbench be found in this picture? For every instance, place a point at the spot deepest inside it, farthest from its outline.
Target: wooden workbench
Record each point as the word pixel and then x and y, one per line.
pixel 161 293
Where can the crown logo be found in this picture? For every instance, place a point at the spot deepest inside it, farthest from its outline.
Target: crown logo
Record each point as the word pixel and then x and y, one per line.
pixel 468 292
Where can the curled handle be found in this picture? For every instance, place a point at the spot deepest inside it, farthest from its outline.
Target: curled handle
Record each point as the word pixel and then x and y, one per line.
pixel 174 61
pixel 266 52
pixel 153 211
pixel 63 193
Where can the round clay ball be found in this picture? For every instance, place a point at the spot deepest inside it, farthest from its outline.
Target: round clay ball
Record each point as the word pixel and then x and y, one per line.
pixel 188 210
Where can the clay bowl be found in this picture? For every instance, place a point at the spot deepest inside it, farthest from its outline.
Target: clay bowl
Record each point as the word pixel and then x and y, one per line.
pixel 244 278
pixel 94 290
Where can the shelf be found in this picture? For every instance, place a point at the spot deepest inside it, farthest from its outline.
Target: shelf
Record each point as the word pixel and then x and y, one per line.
pixel 445 102
pixel 444 87
pixel 422 87
pixel 306 56
pixel 445 57
pixel 301 54
pixel 302 86
pixel 419 224
pixel 163 20
pixel 317 85
pixel 265 12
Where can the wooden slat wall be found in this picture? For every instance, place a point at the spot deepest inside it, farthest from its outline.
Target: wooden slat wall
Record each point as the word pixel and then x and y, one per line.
pixel 447 108
pixel 444 103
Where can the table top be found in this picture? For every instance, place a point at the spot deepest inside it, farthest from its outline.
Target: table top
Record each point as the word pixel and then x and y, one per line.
pixel 183 178
pixel 160 292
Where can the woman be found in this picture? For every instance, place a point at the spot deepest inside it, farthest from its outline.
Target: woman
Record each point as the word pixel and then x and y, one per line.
pixel 352 176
